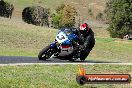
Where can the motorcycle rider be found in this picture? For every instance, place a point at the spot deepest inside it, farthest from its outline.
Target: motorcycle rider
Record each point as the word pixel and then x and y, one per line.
pixel 86 40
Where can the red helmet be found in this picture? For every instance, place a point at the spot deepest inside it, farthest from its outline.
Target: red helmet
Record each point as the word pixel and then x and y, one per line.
pixel 84 27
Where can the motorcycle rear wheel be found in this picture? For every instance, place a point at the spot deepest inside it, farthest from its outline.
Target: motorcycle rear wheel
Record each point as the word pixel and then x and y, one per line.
pixel 72 58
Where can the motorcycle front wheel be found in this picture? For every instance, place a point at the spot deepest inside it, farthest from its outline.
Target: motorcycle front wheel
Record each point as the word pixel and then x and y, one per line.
pixel 45 53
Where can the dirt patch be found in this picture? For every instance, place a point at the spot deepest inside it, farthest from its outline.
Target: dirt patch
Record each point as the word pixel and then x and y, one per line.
pixel 17 13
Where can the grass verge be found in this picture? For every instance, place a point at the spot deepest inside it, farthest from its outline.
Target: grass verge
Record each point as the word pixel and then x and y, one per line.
pixel 64 76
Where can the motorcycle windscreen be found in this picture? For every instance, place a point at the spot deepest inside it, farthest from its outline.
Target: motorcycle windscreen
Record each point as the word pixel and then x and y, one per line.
pixel 61 37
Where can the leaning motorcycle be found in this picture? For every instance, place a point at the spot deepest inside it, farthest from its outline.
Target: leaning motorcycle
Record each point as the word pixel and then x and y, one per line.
pixel 63 46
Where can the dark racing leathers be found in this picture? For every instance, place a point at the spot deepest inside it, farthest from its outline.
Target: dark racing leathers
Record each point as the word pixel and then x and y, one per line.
pixel 86 42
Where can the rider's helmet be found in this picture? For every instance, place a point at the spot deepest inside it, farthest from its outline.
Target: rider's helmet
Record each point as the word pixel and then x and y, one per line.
pixel 84 28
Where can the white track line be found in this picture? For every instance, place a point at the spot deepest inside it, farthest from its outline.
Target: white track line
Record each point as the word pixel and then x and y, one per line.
pixel 15 64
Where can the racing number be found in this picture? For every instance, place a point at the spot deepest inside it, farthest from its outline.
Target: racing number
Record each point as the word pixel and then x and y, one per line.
pixel 61 37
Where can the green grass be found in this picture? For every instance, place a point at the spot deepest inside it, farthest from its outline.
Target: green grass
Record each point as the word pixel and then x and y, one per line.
pixel 23 39
pixel 64 76
pixel 20 39
pixel 115 50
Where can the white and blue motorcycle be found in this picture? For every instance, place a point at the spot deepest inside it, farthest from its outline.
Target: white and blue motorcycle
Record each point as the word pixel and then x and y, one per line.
pixel 63 46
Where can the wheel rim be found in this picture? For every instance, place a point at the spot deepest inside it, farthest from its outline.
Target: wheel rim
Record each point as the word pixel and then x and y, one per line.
pixel 47 54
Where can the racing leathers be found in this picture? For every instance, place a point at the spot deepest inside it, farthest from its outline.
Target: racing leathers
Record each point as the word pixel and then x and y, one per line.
pixel 86 42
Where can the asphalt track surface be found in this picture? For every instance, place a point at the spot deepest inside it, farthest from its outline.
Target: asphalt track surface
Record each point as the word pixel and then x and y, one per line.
pixel 35 60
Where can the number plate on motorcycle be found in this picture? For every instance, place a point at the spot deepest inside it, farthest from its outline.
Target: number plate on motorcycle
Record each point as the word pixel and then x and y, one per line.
pixel 61 37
